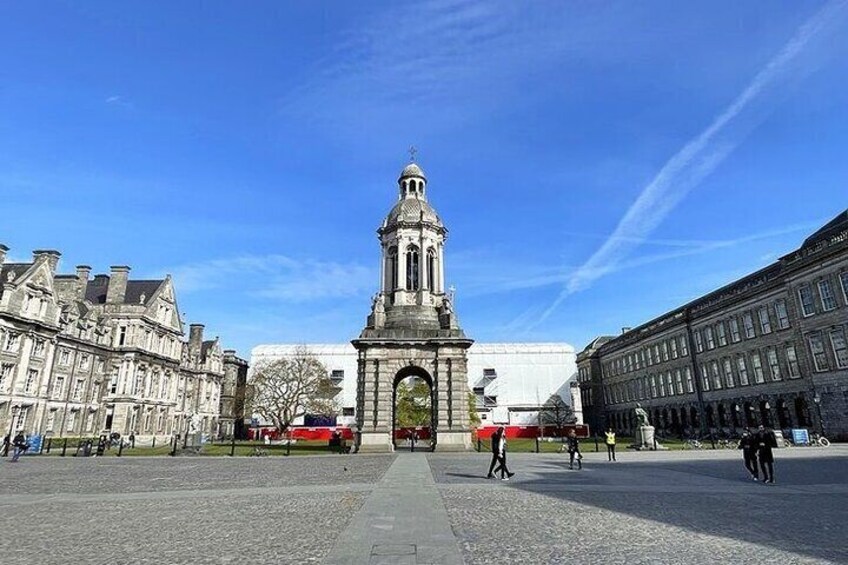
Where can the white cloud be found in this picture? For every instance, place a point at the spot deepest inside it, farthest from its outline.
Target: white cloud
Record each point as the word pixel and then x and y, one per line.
pixel 698 158
pixel 277 277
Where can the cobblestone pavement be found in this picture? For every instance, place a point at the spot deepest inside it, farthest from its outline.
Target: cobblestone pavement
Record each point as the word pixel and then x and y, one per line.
pixel 680 507
pixel 649 508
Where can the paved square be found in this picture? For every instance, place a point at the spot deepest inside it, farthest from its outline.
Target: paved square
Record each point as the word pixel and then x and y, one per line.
pixel 676 507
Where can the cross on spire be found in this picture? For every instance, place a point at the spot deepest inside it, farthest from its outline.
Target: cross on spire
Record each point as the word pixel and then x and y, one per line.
pixel 412 152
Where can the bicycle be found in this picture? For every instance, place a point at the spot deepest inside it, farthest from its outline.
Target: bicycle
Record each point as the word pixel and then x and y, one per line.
pixel 817 440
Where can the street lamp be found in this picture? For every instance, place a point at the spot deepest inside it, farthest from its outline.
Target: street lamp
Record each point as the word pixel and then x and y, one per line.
pixel 817 400
pixel 13 411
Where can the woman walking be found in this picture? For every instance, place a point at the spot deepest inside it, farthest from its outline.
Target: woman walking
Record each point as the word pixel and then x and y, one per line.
pixel 748 445
pixel 573 446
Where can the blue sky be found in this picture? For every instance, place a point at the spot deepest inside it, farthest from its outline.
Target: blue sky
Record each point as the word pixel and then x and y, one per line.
pixel 596 163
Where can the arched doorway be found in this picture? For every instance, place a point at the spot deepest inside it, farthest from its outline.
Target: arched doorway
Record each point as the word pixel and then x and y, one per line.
pixel 801 412
pixel 765 413
pixel 413 416
pixel 750 416
pixel 722 416
pixel 784 418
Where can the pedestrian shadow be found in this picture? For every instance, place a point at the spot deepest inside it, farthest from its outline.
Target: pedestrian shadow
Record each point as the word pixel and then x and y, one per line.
pixel 466 475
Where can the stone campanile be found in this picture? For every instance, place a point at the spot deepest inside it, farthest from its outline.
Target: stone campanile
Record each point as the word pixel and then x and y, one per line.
pixel 412 329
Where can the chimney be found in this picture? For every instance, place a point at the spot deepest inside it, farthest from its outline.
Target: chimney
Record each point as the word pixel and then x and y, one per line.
pixel 195 338
pixel 82 280
pixel 51 255
pixel 625 329
pixel 3 251
pixel 117 284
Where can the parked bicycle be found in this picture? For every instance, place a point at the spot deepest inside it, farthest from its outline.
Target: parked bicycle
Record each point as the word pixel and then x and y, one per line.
pixel 692 443
pixel 817 440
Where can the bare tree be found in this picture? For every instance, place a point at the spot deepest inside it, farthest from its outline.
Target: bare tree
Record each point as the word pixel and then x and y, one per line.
pixel 555 412
pixel 285 389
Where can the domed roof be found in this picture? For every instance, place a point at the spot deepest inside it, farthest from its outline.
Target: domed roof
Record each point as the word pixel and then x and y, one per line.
pixel 412 170
pixel 413 210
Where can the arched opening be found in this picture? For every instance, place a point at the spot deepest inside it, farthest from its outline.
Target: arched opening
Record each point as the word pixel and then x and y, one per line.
pixel 392 269
pixel 765 413
pixel 750 415
pixel 734 415
pixel 708 411
pixel 801 412
pixel 413 271
pixel 694 421
pixel 431 269
pixel 413 414
pixel 722 416
pixel 784 418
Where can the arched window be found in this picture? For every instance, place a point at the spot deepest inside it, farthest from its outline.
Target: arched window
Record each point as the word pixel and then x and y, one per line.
pixel 392 268
pixel 431 269
pixel 412 268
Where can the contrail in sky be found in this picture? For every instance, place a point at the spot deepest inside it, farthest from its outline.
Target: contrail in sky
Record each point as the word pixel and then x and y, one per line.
pixel 694 162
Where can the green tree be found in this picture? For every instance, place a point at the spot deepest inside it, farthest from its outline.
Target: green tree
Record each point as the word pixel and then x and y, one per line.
pixel 413 408
pixel 473 415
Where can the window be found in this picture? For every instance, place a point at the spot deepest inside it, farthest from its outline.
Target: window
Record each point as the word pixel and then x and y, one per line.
pixel 122 335
pixel 757 364
pixel 347 411
pixel 79 388
pixel 843 280
pixel 743 370
pixel 792 362
pixel 139 383
pixel 392 268
pixel 828 298
pixel 678 381
pixel 32 380
pixel 58 388
pixel 661 384
pixel 728 372
pixel 708 333
pixel 89 425
pixel 412 271
pixel 664 351
pixel 84 362
pixel 805 295
pixel 774 364
pixel 699 341
pixel 101 365
pixel 765 323
pixel 817 350
pixel 657 352
pixel 113 384
pixel 64 357
pixel 5 374
pixel 23 415
pixel 653 386
pixel 840 349
pixel 690 386
pixel 722 334
pixel 13 341
pixel 38 348
pixel 717 384
pixel 673 344
pixel 51 421
pixel 72 421
pixel 431 269
pixel 669 382
pixel 734 330
pixel 684 347
pixel 782 314
pixel 705 377
pixel 748 323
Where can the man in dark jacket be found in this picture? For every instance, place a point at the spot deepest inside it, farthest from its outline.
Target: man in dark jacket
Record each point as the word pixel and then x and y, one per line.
pixel 499 455
pixel 573 446
pixel 20 445
pixel 748 445
pixel 765 443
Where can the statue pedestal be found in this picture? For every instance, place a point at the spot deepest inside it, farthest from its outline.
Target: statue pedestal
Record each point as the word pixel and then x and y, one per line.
pixel 645 437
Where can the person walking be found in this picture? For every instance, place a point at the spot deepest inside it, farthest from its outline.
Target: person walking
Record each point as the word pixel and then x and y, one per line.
pixel 499 455
pixel 573 446
pixel 6 443
pixel 748 445
pixel 20 446
pixel 765 443
pixel 610 441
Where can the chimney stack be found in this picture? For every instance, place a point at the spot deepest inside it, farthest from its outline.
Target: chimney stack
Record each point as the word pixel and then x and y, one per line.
pixel 120 274
pixel 3 251
pixel 195 338
pixel 82 280
pixel 51 255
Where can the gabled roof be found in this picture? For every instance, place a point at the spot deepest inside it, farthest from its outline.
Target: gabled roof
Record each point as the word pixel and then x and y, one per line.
pixel 97 288
pixel 17 268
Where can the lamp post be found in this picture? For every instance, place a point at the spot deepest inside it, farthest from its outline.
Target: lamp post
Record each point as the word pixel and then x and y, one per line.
pixel 13 411
pixel 817 400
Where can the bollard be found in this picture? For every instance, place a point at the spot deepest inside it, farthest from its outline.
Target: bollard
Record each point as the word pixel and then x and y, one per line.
pixel 174 449
pixel 479 445
pixel 596 443
pixel 537 445
pixel 288 447
pixel 64 447
pixel 233 446
pixel 154 443
pixel 120 447
pixel 49 444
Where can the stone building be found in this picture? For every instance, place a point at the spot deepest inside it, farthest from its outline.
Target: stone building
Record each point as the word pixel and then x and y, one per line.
pixel 233 385
pixel 82 355
pixel 767 349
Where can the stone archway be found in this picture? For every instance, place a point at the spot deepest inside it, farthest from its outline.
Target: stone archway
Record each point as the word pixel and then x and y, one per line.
pixel 426 437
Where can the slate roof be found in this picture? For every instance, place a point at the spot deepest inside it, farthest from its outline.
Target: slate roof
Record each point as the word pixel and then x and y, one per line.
pixel 833 227
pixel 97 288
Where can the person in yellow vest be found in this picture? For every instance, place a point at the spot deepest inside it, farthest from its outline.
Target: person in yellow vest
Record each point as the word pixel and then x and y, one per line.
pixel 610 444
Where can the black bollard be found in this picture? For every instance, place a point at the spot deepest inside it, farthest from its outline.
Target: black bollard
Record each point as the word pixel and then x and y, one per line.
pixel 120 447
pixel 479 445
pixel 233 446
pixel 49 444
pixel 537 445
pixel 288 447
pixel 154 443
pixel 64 447
pixel 596 443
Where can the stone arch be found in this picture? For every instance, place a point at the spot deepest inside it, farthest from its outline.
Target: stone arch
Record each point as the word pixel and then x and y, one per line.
pixel 421 373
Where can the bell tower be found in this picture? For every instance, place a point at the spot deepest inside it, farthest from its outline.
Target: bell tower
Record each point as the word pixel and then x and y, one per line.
pixel 412 329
